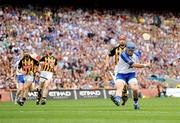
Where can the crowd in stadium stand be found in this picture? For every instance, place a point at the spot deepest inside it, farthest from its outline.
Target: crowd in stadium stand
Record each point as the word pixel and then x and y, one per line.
pixel 81 40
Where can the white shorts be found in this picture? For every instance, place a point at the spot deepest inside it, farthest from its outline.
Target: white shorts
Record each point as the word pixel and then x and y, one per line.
pixel 133 80
pixel 29 78
pixel 45 75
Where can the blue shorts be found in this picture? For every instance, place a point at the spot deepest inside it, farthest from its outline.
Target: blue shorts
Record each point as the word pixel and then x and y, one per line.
pixel 21 79
pixel 126 77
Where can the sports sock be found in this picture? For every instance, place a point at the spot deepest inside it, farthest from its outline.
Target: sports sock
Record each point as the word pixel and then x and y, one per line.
pixel 117 98
pixel 135 101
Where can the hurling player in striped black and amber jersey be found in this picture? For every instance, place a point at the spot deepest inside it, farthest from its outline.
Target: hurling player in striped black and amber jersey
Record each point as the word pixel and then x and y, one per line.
pixel 116 52
pixel 48 67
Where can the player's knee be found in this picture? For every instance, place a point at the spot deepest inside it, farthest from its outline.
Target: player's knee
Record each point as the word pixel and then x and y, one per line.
pixel 20 88
pixel 46 87
pixel 135 87
pixel 25 88
pixel 120 85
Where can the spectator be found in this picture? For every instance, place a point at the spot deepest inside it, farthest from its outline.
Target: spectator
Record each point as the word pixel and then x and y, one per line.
pixel 75 35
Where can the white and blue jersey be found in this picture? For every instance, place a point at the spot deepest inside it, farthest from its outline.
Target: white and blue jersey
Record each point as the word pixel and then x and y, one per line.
pixel 123 70
pixel 19 75
pixel 138 54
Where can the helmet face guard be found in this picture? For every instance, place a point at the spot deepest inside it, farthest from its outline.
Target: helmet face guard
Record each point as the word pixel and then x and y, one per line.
pixel 131 48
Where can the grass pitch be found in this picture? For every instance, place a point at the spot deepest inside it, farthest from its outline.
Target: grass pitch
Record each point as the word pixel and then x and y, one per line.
pixel 155 110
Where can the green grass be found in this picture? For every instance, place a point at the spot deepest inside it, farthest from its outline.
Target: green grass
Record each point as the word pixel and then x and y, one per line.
pixel 155 110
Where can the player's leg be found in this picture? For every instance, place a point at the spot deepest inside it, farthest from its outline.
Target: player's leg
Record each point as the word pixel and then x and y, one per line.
pixel 37 85
pixel 43 77
pixel 27 86
pixel 26 90
pixel 125 94
pixel 19 94
pixel 45 91
pixel 20 91
pixel 135 88
pixel 119 82
pixel 39 90
pixel 49 76
pixel 119 88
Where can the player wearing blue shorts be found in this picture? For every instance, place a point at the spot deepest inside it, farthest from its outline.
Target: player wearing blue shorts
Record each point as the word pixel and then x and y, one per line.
pixel 115 52
pixel 125 73
pixel 20 77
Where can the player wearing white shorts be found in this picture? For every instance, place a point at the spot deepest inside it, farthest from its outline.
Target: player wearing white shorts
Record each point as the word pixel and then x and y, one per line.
pixel 125 74
pixel 48 67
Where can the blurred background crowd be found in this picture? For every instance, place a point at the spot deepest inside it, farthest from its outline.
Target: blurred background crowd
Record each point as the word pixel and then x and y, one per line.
pixel 81 40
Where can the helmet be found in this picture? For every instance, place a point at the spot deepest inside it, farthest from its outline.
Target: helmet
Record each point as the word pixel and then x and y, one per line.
pixel 131 46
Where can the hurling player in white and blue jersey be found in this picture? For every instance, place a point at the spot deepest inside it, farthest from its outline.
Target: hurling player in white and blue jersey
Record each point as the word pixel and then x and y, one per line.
pixel 20 83
pixel 125 73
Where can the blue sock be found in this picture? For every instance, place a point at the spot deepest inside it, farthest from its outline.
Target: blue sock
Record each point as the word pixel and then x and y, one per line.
pixel 135 100
pixel 117 98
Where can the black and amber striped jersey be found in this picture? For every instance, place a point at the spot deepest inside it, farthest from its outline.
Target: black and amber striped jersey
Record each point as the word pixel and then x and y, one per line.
pixel 48 63
pixel 28 64
pixel 116 51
